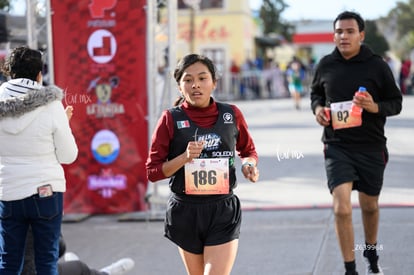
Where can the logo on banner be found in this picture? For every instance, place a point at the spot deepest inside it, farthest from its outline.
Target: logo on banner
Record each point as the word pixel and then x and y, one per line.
pixel 105 146
pixel 106 183
pixel 97 8
pixel 103 91
pixel 101 46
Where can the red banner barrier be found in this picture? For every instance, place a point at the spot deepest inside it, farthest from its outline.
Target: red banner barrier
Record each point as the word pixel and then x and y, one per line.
pixel 99 54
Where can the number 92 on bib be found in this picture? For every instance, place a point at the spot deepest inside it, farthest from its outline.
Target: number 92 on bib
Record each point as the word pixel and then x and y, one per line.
pixel 342 116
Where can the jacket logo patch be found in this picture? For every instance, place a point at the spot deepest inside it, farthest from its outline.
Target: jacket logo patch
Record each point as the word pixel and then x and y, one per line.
pixel 228 118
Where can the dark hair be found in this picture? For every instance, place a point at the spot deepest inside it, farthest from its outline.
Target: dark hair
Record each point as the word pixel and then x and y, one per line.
pixel 351 15
pixel 189 60
pixel 23 62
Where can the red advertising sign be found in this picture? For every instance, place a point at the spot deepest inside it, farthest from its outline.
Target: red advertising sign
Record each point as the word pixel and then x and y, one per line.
pixel 99 55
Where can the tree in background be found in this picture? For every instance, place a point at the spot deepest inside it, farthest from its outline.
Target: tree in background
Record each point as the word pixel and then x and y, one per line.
pixel 5 5
pixel 405 24
pixel 270 14
pixel 374 39
pixel 405 12
pixel 402 19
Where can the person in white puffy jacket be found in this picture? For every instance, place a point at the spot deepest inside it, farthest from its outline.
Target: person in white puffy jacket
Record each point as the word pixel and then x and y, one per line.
pixel 35 140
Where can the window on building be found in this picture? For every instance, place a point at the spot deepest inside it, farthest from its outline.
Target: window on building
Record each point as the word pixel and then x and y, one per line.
pixel 217 55
pixel 204 4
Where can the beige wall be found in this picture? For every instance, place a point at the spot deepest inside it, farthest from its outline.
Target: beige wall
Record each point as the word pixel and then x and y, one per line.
pixel 231 29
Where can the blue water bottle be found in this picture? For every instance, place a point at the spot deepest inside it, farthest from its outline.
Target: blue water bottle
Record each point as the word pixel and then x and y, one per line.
pixel 355 109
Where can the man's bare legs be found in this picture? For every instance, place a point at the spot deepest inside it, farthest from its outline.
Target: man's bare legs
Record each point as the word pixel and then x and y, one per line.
pixel 370 219
pixel 344 227
pixel 370 216
pixel 343 220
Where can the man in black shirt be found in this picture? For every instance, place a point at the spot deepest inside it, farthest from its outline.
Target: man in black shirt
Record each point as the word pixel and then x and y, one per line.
pixel 354 146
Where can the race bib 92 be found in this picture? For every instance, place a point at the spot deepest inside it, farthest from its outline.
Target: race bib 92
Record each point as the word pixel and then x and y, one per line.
pixel 342 117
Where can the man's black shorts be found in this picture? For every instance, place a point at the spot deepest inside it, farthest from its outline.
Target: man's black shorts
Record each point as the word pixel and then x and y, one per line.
pixel 364 169
pixel 195 224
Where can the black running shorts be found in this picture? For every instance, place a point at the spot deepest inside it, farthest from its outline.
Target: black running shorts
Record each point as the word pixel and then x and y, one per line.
pixel 192 224
pixel 364 169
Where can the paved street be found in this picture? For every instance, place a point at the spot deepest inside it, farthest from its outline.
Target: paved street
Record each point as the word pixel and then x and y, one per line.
pixel 287 220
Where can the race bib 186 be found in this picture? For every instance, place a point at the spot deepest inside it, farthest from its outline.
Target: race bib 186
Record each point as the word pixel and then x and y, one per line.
pixel 207 176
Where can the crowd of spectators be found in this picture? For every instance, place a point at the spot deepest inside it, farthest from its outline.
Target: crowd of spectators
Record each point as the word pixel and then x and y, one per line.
pixel 258 78
pixel 266 78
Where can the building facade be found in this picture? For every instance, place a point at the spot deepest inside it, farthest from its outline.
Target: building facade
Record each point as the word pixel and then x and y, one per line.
pixel 223 30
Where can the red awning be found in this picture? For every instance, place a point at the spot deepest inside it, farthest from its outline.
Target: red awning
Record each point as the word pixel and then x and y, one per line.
pixel 312 38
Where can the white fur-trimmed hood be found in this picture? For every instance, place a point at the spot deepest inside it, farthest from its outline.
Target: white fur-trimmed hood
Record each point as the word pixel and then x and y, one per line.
pixel 34 98
pixel 21 101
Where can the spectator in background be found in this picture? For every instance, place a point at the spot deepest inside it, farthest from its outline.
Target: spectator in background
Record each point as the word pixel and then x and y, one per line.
pixel 70 264
pixel 249 80
pixel 235 77
pixel 295 74
pixel 405 74
pixel 35 139
pixel 259 63
pixel 392 65
pixel 274 80
pixel 3 78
